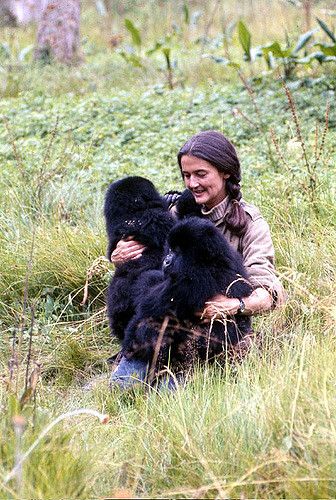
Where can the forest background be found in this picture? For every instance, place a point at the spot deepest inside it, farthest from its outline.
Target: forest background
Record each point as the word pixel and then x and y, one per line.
pixel 137 79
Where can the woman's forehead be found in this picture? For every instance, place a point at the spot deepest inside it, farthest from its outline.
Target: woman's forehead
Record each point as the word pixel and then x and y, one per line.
pixel 192 163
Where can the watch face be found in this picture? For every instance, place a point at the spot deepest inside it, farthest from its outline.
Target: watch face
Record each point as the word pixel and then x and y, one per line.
pixel 241 306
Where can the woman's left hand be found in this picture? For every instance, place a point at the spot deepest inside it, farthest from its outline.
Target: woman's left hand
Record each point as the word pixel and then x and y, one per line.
pixel 258 302
pixel 219 305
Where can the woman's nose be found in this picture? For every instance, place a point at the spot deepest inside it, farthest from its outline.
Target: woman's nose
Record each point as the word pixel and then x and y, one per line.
pixel 193 182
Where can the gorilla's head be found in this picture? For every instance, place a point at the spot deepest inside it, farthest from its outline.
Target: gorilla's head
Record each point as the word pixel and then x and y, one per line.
pixel 199 240
pixel 196 267
pixel 132 195
pixel 133 207
pixel 201 264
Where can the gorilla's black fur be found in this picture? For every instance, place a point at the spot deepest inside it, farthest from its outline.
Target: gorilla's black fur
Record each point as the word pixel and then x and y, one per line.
pixel 184 204
pixel 200 264
pixel 133 207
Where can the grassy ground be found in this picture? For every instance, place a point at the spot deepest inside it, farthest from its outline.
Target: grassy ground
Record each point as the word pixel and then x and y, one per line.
pixel 265 428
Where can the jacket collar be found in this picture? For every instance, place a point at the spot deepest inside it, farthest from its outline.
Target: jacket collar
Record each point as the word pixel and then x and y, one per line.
pixel 217 212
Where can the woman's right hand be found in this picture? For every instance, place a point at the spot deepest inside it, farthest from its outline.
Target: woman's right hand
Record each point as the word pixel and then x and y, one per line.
pixel 126 249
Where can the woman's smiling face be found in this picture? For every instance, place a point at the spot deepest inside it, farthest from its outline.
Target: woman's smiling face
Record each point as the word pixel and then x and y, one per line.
pixel 206 183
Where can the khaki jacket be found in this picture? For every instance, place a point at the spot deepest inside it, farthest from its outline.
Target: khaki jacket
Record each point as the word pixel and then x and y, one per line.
pixel 255 246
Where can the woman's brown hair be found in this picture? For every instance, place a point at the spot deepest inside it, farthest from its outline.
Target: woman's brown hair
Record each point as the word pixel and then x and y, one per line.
pixel 215 148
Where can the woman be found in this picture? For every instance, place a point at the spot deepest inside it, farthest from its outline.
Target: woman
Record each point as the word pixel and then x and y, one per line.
pixel 211 171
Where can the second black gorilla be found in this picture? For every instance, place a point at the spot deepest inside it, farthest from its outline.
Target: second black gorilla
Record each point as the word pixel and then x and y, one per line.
pixel 200 264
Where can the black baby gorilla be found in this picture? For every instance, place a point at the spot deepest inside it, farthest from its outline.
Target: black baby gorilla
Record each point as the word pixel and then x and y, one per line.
pixel 199 265
pixel 133 207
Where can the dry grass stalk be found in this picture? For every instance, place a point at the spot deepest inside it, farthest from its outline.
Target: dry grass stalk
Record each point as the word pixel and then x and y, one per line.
pixel 23 318
pixel 17 156
pixel 30 390
pixel 98 267
pixel 278 149
pixel 158 345
pixel 324 133
pixel 296 122
pixel 32 321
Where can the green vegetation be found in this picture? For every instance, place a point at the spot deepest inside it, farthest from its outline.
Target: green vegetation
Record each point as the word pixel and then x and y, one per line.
pixel 263 429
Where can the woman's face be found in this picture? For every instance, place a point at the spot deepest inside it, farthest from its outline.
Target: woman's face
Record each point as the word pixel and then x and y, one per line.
pixel 206 183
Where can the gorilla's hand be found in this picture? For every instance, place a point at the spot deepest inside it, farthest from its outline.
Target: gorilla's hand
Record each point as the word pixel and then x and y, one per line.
pixel 171 197
pixel 126 249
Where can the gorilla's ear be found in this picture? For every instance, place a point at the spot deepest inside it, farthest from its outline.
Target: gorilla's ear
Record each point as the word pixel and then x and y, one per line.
pixel 131 194
pixel 211 248
pixel 198 238
pixel 202 241
pixel 186 205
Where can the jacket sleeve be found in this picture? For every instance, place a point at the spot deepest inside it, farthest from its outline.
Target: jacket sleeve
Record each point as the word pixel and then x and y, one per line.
pixel 258 256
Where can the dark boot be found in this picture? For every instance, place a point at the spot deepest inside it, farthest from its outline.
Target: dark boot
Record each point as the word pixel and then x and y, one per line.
pixel 128 373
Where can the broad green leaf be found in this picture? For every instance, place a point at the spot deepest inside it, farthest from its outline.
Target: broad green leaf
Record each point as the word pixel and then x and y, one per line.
pixel 186 13
pixel 245 39
pixel 326 29
pixel 131 59
pixel 157 47
pixel 135 33
pixel 327 50
pixel 303 40
pixel 276 50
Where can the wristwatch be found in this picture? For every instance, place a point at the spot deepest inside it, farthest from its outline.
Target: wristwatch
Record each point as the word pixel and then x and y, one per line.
pixel 241 307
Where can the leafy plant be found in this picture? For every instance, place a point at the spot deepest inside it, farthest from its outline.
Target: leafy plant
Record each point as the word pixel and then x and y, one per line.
pixel 288 57
pixel 133 53
pixel 165 48
pixel 327 52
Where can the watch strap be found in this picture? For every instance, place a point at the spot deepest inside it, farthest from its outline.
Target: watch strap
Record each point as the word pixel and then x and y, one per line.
pixel 241 307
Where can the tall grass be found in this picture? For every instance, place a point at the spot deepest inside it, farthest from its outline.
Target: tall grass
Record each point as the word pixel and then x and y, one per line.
pixel 263 429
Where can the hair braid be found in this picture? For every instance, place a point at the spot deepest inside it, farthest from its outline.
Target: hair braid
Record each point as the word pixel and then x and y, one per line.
pixel 235 219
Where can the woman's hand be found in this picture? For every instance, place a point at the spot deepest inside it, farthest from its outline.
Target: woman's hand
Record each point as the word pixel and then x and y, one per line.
pixel 259 301
pixel 126 249
pixel 219 305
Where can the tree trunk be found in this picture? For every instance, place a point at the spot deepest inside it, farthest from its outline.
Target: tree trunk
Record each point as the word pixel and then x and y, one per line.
pixel 58 32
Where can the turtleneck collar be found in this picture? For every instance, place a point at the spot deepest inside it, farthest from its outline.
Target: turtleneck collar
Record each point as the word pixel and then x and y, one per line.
pixel 217 212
